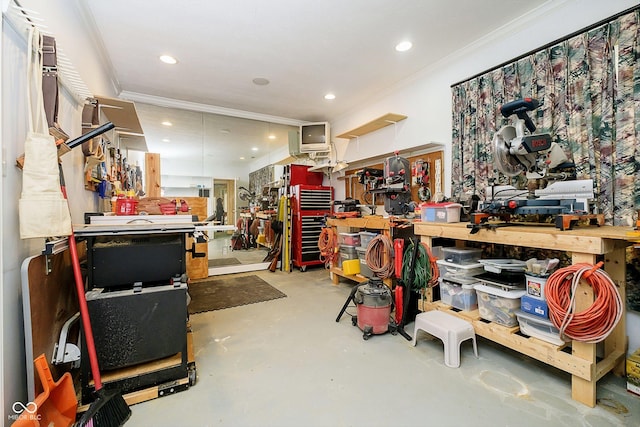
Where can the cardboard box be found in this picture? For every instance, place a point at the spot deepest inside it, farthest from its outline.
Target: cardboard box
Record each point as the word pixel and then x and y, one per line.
pixel 633 372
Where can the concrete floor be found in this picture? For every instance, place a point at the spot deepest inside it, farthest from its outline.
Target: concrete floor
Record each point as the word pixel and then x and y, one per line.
pixel 286 362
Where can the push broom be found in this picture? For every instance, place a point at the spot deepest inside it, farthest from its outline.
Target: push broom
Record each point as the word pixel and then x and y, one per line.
pixel 108 408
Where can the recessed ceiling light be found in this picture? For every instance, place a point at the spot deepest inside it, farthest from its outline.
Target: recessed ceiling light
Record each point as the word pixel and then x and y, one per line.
pixel 168 59
pixel 167 123
pixel 329 96
pixel 225 131
pixel 404 46
pixel 254 149
pixel 241 158
pixel 166 140
pixel 272 136
pixel 260 81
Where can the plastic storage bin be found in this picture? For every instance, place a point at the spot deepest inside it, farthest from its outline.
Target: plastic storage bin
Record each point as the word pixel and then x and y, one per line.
pixel 441 212
pixel 350 239
pixel 461 255
pixel 459 294
pixel 538 327
pixel 366 237
pixel 365 270
pixel 535 286
pixel 347 252
pixel 449 269
pixel 497 305
pixel 534 306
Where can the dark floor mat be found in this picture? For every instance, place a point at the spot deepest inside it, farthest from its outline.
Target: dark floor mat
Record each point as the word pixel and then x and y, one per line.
pixel 217 294
pixel 223 262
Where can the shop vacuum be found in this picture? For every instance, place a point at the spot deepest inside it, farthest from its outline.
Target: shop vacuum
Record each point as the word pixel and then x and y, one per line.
pixel 374 303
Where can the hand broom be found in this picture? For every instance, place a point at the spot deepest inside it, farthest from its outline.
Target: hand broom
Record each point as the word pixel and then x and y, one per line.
pixel 108 408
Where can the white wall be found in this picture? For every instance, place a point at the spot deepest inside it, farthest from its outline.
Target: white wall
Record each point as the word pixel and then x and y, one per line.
pixel 425 99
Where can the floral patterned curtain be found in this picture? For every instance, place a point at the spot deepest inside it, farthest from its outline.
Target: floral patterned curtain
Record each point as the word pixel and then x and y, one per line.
pixel 589 90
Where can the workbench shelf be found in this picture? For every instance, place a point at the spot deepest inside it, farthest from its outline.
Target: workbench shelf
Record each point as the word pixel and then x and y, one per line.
pixel 337 273
pixel 584 244
pixel 367 223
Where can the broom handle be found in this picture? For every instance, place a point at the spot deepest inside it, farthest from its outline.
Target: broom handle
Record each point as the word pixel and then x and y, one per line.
pixel 75 261
pixel 82 302
pixel 90 135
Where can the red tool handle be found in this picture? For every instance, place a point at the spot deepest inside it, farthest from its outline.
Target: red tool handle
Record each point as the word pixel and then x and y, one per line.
pixel 398 249
pixel 84 310
pixel 399 302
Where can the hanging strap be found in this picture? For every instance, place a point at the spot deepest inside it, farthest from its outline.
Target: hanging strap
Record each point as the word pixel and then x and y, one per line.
pixel 50 80
pixel 37 116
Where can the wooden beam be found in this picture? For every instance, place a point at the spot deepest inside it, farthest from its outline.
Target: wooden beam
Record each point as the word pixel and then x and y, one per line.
pixel 152 178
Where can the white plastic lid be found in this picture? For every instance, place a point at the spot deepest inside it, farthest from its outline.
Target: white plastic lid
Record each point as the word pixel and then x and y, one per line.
pixel 454 265
pixel 534 319
pixel 499 292
pixel 498 265
pixel 465 282
pixel 462 251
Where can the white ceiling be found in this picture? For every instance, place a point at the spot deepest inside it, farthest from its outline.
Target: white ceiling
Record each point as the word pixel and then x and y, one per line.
pixel 304 48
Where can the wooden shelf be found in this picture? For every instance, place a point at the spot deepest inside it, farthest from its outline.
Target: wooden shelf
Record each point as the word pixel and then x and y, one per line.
pixel 379 123
pixel 584 244
pixel 337 273
pixel 124 116
pixel 372 222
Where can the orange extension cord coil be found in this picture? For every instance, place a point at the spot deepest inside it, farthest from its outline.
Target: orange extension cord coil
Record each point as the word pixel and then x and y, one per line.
pixel 379 256
pixel 593 324
pixel 328 245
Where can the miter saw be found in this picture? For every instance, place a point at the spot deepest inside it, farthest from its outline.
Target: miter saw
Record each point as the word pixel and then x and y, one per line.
pixel 543 162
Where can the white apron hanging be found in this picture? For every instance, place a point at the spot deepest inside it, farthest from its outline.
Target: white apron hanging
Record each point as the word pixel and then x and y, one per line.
pixel 44 212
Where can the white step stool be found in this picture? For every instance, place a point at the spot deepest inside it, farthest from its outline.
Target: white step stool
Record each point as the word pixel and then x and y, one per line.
pixel 450 329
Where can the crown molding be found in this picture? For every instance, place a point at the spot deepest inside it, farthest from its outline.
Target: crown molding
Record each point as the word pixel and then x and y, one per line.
pixel 206 108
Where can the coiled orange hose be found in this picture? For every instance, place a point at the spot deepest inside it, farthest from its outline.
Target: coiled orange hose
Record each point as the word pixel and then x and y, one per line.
pixel 328 245
pixel 593 324
pixel 435 272
pixel 379 256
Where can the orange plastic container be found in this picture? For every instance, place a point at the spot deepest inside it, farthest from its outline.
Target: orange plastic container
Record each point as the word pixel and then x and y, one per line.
pixel 55 406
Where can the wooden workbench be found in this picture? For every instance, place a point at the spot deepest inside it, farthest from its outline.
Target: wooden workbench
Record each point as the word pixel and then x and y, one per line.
pixel 585 245
pixel 370 223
